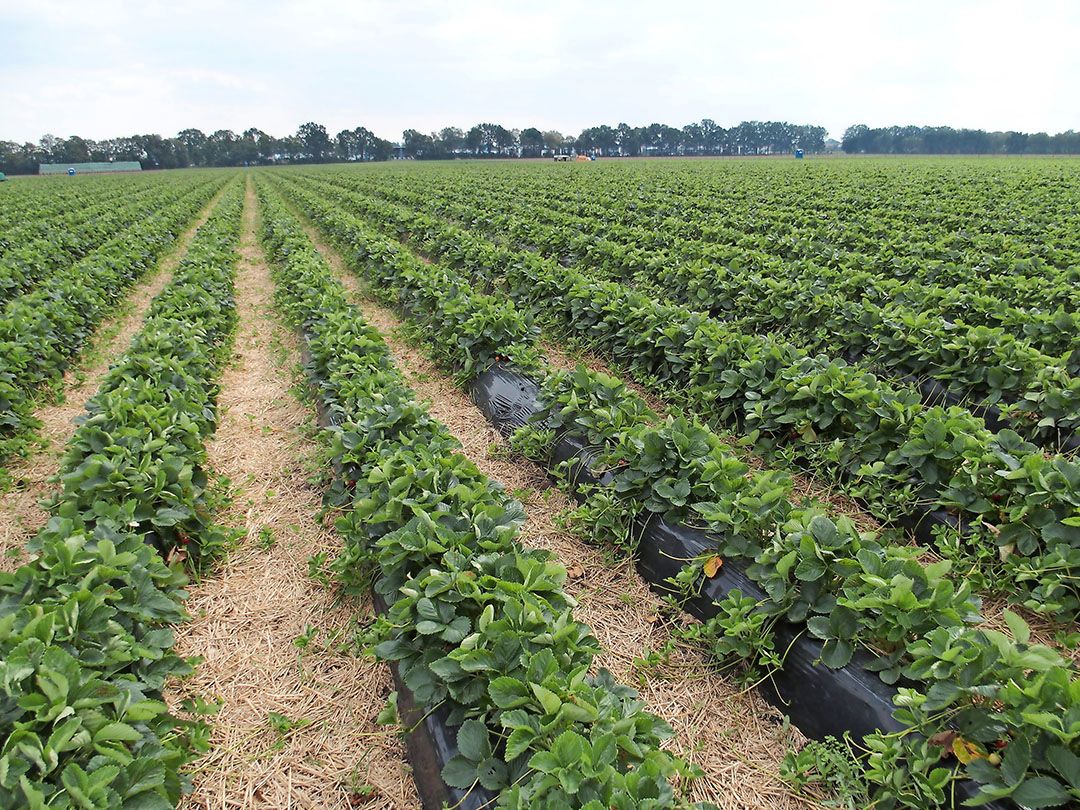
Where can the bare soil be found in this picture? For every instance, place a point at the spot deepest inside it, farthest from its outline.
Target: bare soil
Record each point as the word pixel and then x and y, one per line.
pixel 733 736
pixel 297 727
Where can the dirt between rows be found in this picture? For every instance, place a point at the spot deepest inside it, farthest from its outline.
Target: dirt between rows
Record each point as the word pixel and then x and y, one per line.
pixel 733 736
pixel 297 725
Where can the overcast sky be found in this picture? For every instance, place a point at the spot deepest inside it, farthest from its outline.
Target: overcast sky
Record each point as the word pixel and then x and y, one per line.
pixel 101 68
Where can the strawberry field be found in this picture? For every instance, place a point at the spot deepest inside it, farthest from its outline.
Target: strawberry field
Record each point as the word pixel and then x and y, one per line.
pixel 625 484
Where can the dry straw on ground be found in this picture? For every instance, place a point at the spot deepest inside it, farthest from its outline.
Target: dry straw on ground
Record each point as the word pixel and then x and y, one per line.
pixel 21 515
pixel 325 749
pixel 734 737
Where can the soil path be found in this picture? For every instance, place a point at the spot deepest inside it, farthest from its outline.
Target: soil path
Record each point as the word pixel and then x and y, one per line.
pixel 735 737
pixel 21 515
pixel 297 726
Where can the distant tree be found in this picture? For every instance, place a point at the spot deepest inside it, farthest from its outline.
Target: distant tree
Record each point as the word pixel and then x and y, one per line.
pixel 693 139
pixel 629 139
pixel 855 138
pixel 194 142
pixel 811 138
pixel 221 148
pixel 255 147
pixel 502 140
pixel 1066 143
pixel 20 159
pixel 451 140
pixel 1038 143
pixel 602 139
pixel 554 140
pixel 907 140
pixel 191 147
pixel 154 152
pixel 346 145
pixel 713 137
pixel 72 150
pixel 316 142
pixel 375 148
pixel 417 145
pixel 474 140
pixel 291 149
pixel 48 144
pixel 532 142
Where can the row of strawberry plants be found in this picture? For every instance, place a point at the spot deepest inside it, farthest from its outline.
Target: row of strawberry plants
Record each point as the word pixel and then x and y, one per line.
pixel 717 272
pixel 86 644
pixel 41 331
pixel 882 444
pixel 779 221
pixel 752 506
pixel 1030 390
pixel 966 691
pixel 659 227
pixel 476 623
pixel 849 589
pixel 28 208
pixel 1027 363
pixel 392 273
pixel 73 236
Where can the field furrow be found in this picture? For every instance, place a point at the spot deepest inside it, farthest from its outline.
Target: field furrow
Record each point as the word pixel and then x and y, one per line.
pixel 297 725
pixel 732 735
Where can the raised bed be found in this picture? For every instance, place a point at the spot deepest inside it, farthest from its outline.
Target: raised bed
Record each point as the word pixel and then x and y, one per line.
pixel 430 742
pixel 820 701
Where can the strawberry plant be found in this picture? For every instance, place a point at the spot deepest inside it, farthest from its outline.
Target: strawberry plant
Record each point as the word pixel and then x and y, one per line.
pixel 86 643
pixel 475 622
pixel 842 421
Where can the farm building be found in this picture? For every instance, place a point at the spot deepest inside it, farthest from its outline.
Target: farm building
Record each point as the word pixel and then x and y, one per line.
pixel 90 168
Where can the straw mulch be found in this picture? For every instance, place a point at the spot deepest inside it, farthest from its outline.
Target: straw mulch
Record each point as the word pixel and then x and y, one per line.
pixel 734 737
pixel 321 748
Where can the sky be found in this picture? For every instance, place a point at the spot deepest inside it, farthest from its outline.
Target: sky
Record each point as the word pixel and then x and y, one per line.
pixel 106 68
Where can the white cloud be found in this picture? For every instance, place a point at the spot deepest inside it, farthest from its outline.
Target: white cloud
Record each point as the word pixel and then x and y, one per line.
pixel 111 67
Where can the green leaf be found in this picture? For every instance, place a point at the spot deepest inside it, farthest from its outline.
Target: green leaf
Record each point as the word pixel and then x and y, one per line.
pixel 1015 762
pixel 783 565
pixel 844 622
pixel 1066 763
pixel 508 693
pixel 548 699
pixel 117 731
pixel 472 740
pixel 836 653
pixel 1041 791
pixel 819 627
pixel 518 742
pixel 545 762
pixel 809 569
pixel 492 773
pixel 1019 628
pixel 389 714
pixel 459 772
pixel 569 748
pixel 170 516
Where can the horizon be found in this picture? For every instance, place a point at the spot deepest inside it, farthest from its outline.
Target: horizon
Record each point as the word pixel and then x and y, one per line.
pixel 104 70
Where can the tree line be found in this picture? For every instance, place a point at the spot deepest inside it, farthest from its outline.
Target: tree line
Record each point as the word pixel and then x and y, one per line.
pixel 192 147
pixel 701 138
pixel 312 143
pixel 912 140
